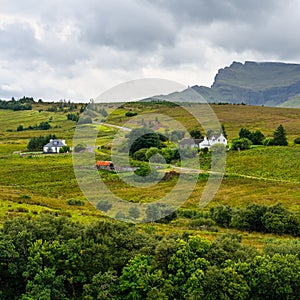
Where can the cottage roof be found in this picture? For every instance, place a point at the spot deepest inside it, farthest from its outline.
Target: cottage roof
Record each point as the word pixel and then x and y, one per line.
pixel 55 143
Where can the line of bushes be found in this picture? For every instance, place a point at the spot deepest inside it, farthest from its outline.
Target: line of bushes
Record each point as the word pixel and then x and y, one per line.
pixel 268 219
pixel 41 126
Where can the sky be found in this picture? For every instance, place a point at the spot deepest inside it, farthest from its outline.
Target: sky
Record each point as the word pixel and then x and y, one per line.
pixel 76 50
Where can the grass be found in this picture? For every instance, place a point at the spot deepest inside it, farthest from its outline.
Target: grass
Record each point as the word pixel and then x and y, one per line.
pixel 44 183
pixel 272 163
pixel 233 117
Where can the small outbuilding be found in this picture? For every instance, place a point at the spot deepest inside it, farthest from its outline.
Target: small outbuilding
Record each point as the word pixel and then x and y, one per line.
pixel 187 144
pixel 105 165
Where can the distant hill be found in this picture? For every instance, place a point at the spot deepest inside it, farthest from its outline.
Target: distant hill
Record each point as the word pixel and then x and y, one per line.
pixel 253 83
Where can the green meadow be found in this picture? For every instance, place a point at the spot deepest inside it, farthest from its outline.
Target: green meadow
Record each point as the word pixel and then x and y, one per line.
pixel 37 183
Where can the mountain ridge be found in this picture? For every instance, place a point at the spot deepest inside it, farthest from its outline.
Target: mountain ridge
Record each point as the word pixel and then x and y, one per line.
pixel 253 83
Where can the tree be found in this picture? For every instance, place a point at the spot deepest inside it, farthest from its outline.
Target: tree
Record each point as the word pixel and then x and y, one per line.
pixel 229 246
pixel 177 135
pixel 140 154
pixel 104 205
pixel 85 120
pixel 153 152
pixel 257 137
pixel 152 213
pixel 20 128
pixel 44 126
pixel 103 286
pixel 139 278
pixel 186 268
pixel 133 212
pixel 221 215
pixel 79 147
pixel 276 277
pixel 37 143
pixel 64 149
pixel 250 218
pixel 196 134
pixel 297 141
pixel 225 284
pixel 140 138
pixel 245 133
pixel 224 131
pixel 279 136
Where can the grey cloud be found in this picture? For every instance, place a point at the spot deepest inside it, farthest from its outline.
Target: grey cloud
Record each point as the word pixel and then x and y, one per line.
pixel 205 12
pixel 127 37
pixel 129 25
pixel 18 41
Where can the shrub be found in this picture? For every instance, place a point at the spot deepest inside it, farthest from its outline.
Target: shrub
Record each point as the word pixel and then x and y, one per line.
pixel 75 202
pixel 64 149
pixel 297 141
pixel 79 147
pixel 241 144
pixel 140 154
pixel 104 205
pixel 85 120
pixel 268 142
pixel 221 215
pixel 44 126
pixel 201 222
pixel 22 209
pixel 144 173
pixel 130 114
pixel 24 196
pixel 20 128
pixel 73 117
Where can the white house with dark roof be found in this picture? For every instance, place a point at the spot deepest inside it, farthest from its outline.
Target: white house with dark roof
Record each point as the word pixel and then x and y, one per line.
pixel 207 143
pixel 54 146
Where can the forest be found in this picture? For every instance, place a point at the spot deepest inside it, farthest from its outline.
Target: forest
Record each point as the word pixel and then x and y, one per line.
pixel 52 257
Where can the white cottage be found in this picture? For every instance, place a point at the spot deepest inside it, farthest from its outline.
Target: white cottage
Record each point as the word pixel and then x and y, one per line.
pixel 207 143
pixel 54 146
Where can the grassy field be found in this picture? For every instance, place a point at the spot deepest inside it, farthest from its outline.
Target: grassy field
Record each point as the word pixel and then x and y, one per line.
pixel 34 184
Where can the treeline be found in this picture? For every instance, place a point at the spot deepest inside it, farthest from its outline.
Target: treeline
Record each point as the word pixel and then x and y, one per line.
pixel 24 103
pixel 37 143
pixel 54 258
pixel 248 138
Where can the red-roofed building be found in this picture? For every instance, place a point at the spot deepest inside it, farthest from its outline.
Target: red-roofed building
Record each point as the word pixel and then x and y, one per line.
pixel 104 165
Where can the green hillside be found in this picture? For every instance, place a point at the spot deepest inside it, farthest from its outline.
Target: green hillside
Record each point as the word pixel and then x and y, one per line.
pixel 37 183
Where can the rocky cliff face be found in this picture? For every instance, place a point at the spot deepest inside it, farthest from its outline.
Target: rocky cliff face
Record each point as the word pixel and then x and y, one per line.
pixel 272 84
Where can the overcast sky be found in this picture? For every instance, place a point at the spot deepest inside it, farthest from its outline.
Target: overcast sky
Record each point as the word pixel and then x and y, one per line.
pixel 71 49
